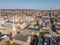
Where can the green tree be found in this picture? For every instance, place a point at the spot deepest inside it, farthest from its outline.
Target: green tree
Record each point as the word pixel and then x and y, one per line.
pixel 58 43
pixel 13 44
pixel 37 24
pixel 41 35
pixel 7 43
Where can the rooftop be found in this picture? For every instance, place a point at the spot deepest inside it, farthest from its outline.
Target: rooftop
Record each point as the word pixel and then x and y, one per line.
pixel 21 37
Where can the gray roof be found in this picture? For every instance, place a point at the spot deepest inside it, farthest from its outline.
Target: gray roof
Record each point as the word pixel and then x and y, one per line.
pixel 21 37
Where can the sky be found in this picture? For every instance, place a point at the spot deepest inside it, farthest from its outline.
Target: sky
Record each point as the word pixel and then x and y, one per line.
pixel 30 4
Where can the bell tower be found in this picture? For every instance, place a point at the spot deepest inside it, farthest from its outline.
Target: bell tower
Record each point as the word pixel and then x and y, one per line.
pixel 13 28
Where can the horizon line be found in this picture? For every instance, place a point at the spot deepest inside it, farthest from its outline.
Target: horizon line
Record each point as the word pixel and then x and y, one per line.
pixel 27 9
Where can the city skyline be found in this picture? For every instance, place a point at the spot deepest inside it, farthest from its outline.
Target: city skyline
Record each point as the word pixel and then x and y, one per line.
pixel 30 4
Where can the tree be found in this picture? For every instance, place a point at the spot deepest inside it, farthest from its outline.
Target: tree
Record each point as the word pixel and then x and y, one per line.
pixel 13 44
pixel 37 24
pixel 7 43
pixel 41 35
pixel 33 39
pixel 58 43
